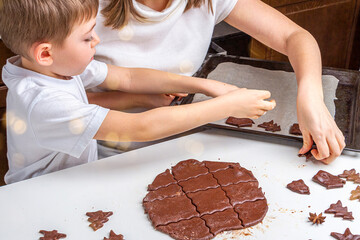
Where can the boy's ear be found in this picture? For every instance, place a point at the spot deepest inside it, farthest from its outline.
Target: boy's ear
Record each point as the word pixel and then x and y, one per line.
pixel 42 53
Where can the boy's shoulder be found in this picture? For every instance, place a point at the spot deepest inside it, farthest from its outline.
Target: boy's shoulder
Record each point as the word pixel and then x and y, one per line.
pixel 16 77
pixel 13 73
pixel 26 87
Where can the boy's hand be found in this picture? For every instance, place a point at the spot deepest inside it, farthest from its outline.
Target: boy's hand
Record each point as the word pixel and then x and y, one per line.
pixel 248 103
pixel 220 88
pixel 317 125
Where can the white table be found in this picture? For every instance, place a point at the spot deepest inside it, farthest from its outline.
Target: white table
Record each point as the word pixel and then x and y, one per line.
pixel 60 200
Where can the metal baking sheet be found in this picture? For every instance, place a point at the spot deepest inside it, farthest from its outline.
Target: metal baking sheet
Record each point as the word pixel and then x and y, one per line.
pixel 347 104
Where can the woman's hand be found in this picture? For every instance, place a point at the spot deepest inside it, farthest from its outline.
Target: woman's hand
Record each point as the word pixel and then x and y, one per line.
pixel 317 125
pixel 159 100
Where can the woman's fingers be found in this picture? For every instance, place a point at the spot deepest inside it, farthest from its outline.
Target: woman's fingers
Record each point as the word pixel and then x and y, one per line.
pixel 335 150
pixel 178 94
pixel 307 142
pixel 336 145
pixel 340 139
pixel 322 150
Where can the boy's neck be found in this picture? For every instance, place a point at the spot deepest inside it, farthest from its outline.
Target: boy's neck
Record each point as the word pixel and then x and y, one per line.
pixel 27 64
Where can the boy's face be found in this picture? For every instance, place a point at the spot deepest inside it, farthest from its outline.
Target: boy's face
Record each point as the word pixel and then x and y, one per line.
pixel 77 51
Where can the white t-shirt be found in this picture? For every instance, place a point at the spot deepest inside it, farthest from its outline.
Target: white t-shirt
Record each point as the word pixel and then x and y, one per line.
pixel 50 123
pixel 171 40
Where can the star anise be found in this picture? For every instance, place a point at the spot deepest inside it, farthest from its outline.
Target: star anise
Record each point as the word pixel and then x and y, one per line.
pixel 113 236
pixel 346 236
pixel 355 194
pixel 316 219
pixel 51 235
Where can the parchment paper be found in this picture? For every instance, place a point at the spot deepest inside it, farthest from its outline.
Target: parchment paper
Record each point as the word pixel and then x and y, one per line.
pixel 281 84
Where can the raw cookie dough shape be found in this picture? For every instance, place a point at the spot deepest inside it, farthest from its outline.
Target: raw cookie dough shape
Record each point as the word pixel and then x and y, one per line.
pixel 340 211
pixel 350 175
pixel 355 194
pixel 114 236
pixel 270 126
pixel 51 235
pixel 295 129
pixel 346 236
pixel 328 180
pixel 298 186
pixel 240 122
pixel 208 202
pixel 98 219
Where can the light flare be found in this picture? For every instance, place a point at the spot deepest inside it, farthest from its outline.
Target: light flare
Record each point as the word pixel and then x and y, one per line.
pixel 126 33
pixel 186 66
pixel 18 160
pixel 76 126
pixel 194 147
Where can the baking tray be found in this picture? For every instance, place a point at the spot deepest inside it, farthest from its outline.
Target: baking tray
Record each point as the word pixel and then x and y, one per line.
pixel 347 104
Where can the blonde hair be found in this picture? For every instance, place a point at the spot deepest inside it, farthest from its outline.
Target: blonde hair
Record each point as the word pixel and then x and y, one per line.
pixel 118 12
pixel 25 22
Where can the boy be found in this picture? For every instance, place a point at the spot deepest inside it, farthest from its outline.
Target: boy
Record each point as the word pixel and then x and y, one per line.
pixel 51 125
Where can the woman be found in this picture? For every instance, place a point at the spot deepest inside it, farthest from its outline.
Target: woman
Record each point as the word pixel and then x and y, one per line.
pixel 174 35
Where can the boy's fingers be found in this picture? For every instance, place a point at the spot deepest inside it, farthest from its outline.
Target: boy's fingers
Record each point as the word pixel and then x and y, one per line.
pixel 260 113
pixel 268 105
pixel 265 94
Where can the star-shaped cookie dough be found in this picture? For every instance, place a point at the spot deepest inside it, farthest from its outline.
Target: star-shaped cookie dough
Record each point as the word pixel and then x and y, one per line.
pixel 339 211
pixel 346 236
pixel 270 126
pixel 351 175
pixel 98 219
pixel 114 236
pixel 355 194
pixel 51 235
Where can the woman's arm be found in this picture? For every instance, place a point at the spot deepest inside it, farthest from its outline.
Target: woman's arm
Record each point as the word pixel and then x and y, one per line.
pixel 149 81
pixel 275 30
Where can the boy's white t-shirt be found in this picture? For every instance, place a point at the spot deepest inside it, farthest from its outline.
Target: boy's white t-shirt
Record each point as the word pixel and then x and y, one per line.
pixel 50 123
pixel 172 40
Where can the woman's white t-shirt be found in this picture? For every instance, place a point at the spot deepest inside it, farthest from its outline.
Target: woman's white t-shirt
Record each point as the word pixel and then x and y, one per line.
pixel 172 40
